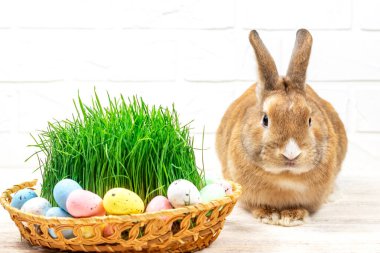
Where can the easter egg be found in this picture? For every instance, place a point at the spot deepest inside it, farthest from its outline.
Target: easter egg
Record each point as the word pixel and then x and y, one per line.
pixel 183 193
pixel 212 192
pixel 120 201
pixel 21 197
pixel 89 231
pixel 37 205
pixel 158 203
pixel 226 185
pixel 108 230
pixel 62 191
pixel 59 212
pixel 212 179
pixel 82 203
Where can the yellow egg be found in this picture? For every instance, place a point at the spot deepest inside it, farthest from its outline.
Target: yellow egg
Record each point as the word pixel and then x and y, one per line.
pixel 89 231
pixel 120 201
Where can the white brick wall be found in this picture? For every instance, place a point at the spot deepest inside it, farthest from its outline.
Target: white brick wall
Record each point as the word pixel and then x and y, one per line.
pixel 193 53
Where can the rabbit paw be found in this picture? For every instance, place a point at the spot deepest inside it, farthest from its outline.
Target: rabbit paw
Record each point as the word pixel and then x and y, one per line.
pixel 266 215
pixel 293 217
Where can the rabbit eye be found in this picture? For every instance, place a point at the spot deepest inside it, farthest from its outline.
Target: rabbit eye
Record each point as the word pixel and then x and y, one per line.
pixel 265 121
pixel 309 122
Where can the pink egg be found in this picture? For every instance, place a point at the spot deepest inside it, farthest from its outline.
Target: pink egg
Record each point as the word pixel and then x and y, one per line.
pixel 227 186
pixel 82 203
pixel 108 230
pixel 158 203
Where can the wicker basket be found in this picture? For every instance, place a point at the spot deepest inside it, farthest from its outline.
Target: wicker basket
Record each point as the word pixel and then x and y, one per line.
pixel 178 230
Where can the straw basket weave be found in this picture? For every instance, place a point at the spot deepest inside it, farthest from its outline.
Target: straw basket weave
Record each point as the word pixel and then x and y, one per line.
pixel 178 230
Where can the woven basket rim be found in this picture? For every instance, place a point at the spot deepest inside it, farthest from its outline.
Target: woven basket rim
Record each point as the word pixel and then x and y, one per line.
pixel 6 196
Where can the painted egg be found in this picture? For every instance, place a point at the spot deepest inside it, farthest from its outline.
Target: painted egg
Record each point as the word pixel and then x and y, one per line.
pixel 21 197
pixel 37 205
pixel 62 191
pixel 212 179
pixel 158 203
pixel 212 192
pixel 183 193
pixel 82 203
pixel 59 212
pixel 120 201
pixel 227 186
pixel 108 230
pixel 89 231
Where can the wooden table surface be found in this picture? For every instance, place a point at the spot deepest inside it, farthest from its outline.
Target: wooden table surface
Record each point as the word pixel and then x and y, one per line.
pixel 348 223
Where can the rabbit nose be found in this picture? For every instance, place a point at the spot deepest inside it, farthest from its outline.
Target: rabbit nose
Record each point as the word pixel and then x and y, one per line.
pixel 292 150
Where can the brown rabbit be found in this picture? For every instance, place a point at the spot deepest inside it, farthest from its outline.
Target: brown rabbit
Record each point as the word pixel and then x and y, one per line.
pixel 281 141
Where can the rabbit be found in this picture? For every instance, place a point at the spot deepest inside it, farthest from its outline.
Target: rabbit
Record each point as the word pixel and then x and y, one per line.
pixel 282 142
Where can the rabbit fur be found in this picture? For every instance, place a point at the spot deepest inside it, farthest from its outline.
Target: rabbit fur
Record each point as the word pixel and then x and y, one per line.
pixel 282 142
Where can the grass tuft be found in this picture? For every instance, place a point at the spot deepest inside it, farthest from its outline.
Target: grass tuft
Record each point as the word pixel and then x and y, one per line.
pixel 127 144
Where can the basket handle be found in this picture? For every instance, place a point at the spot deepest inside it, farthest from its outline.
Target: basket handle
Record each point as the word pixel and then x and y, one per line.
pixel 6 198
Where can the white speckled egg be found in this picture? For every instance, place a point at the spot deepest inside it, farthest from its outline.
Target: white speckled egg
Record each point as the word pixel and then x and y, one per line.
pixel 183 193
pixel 37 205
pixel 59 212
pixel 227 186
pixel 212 192
pixel 62 191
pixel 21 197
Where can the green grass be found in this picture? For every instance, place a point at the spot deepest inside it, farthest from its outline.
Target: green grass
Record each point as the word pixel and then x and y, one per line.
pixel 126 144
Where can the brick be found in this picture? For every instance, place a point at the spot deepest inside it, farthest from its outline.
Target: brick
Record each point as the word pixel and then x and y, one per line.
pixel 368 107
pixel 6 148
pixel 71 14
pixel 284 15
pixel 209 56
pixel 54 55
pixel 184 14
pixel 28 56
pixel 143 56
pixel 338 56
pixel 368 14
pixel 207 103
pixel 7 105
pixel 246 66
pixel 365 150
pixel 85 14
pixel 38 104
pixel 344 56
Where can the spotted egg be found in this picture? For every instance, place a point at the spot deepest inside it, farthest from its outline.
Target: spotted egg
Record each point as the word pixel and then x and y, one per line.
pixel 59 212
pixel 21 197
pixel 120 201
pixel 212 192
pixel 183 193
pixel 82 203
pixel 37 205
pixel 226 185
pixel 62 191
pixel 158 203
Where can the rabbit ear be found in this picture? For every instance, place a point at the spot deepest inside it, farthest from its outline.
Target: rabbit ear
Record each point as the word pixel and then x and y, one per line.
pixel 268 76
pixel 300 59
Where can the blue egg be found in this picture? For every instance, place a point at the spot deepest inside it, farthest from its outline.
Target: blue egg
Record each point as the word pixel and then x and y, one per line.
pixel 21 197
pixel 62 190
pixel 59 212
